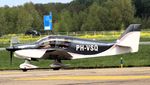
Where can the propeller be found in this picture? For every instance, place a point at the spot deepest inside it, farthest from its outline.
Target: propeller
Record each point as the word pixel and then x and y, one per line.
pixel 11 49
pixel 11 57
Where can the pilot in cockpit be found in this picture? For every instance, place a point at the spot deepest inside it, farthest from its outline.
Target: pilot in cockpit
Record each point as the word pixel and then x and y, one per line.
pixel 45 45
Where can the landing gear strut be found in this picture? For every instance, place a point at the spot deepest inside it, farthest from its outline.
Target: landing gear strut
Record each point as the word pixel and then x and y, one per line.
pixel 56 65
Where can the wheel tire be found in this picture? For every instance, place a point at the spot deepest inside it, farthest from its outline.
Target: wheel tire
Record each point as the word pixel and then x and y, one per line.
pixel 24 70
pixel 56 68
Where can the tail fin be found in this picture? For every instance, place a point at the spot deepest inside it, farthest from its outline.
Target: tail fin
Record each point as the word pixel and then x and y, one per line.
pixel 130 38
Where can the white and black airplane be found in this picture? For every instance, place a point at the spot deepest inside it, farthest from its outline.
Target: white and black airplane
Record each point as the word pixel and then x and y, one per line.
pixel 60 48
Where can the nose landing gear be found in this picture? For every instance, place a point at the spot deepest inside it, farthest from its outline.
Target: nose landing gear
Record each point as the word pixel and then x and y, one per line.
pixel 27 66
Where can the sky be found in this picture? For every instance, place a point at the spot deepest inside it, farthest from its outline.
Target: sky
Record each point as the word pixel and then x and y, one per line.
pixel 21 2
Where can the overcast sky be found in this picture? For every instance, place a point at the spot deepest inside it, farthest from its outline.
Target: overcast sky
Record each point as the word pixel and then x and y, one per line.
pixel 21 2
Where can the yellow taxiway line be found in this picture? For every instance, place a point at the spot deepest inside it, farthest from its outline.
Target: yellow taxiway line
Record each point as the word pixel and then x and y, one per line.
pixel 85 78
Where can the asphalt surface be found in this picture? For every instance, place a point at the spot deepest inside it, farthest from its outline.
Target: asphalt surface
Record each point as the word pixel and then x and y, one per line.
pixel 109 76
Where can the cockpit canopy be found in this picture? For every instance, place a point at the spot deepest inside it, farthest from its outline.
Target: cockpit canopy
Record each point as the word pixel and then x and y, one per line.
pixel 54 41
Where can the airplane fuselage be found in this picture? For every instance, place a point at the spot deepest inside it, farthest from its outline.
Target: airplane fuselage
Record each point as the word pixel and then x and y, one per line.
pixel 76 45
pixel 68 44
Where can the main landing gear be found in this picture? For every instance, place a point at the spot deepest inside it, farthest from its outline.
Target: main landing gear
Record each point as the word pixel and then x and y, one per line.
pixel 56 65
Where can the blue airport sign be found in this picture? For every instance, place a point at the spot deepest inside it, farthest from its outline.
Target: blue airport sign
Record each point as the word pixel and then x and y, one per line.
pixel 48 22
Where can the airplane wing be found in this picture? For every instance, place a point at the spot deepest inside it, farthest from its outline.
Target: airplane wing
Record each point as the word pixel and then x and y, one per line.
pixel 57 54
pixel 51 53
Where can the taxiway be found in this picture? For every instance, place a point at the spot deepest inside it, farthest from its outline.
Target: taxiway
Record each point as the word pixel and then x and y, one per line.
pixel 109 76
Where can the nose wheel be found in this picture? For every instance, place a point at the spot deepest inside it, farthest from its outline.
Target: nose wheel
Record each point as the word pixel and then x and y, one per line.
pixel 27 66
pixel 24 70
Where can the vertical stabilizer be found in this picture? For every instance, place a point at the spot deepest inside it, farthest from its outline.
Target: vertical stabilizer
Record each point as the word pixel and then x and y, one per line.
pixel 130 38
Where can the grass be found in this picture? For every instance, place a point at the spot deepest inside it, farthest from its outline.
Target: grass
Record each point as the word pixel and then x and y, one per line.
pixel 141 58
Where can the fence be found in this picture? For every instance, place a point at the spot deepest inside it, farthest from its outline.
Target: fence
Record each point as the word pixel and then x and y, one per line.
pixel 81 33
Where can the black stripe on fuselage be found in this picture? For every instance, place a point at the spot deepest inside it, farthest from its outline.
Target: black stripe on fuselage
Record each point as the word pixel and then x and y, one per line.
pixel 88 49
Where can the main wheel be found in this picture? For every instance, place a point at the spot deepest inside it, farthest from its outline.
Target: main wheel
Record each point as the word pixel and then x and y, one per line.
pixel 56 68
pixel 56 65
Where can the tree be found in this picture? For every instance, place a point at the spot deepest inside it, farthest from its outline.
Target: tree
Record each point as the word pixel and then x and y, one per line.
pixel 65 22
pixel 121 12
pixel 37 19
pixel 142 8
pixel 24 21
pixel 127 11
pixel 3 23
pixel 9 15
pixel 93 21
pixel 78 15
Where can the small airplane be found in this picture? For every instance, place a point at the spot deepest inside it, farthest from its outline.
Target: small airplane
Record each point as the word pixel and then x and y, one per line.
pixel 59 48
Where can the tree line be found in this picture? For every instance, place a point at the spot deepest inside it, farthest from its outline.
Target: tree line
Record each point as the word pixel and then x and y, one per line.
pixel 78 15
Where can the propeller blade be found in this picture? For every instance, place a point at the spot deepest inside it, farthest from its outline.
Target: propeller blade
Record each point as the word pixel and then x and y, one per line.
pixel 11 56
